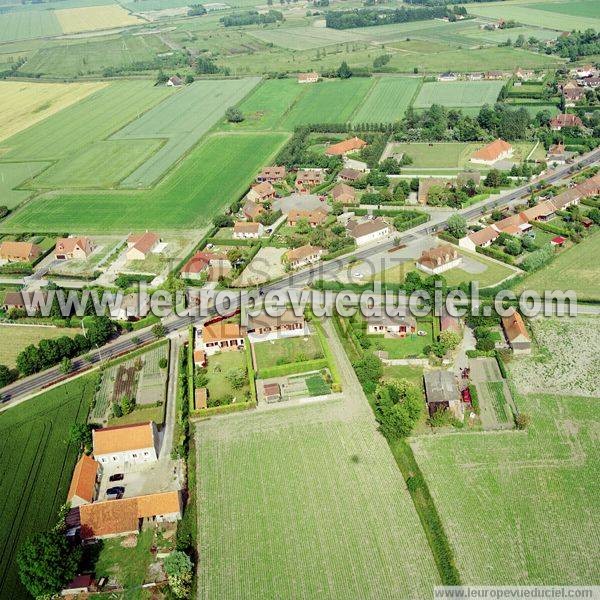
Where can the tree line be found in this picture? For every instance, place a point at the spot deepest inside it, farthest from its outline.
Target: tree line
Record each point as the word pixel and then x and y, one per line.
pixel 368 17
pixel 251 17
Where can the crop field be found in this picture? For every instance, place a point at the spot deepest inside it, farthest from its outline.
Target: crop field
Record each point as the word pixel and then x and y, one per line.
pixel 303 38
pixel 16 337
pixel 214 173
pixel 178 120
pixel 498 36
pixel 93 18
pixel 387 100
pixel 14 174
pixel 519 508
pixel 37 462
pixel 328 102
pixel 581 8
pixel 306 503
pixel 458 93
pixel 287 350
pixel 24 104
pixel 28 24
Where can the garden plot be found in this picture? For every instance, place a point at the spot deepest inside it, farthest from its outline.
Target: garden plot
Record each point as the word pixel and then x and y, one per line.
pixel 495 400
pixel 92 18
pixel 265 266
pixel 284 351
pixel 566 357
pixel 166 255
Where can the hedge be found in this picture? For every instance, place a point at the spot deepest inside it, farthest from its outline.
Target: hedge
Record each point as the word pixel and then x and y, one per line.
pixel 328 355
pixel 411 223
pixel 497 254
pixel 223 410
pixel 292 368
pixel 474 398
pixel 251 374
pixel 448 238
pixel 548 227
pixel 501 364
pixel 232 241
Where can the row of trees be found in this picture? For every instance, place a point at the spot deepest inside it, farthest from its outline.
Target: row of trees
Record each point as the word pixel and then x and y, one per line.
pixel 367 17
pixel 251 17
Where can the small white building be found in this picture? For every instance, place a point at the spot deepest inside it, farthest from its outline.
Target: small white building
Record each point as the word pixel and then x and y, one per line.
pixel 139 246
pixel 440 259
pixel 399 326
pixel 368 231
pixel 302 256
pixel 479 239
pixel 247 230
pixel 312 77
pixel 126 444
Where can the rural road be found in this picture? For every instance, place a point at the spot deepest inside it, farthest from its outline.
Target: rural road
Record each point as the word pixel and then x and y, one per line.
pixel 28 386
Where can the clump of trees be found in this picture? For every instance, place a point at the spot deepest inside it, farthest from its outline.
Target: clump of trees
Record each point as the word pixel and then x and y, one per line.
pixel 234 115
pixel 576 45
pixel 398 407
pixel 178 568
pixel 251 17
pixel 367 17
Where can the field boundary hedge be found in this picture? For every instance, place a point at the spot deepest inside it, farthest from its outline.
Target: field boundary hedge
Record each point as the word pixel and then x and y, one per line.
pixel 292 368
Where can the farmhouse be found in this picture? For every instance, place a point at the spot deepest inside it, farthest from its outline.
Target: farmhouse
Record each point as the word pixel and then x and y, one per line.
pixel 139 246
pixel 266 327
pixel 19 251
pixel 272 174
pixel 567 198
pixel 397 326
pixel 479 239
pixel 314 217
pixel 222 336
pixel 591 82
pixel 493 75
pixel 565 120
pixel 126 444
pixel 440 259
pixel 347 174
pixel 516 333
pixel 344 194
pixel 488 155
pixel 525 74
pixel 201 262
pixel 345 147
pixel 426 183
pixel 585 71
pixel 85 481
pixel 125 516
pixel 73 248
pixel 304 255
pixel 252 210
pixel 589 187
pixel 368 231
pixel 200 398
pixel 132 307
pixel 246 230
pixel 308 178
pixel 308 77
pixel 175 81
pixel 261 192
pixel 442 392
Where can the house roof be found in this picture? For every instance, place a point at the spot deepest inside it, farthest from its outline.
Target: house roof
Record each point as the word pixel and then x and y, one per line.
pixel 123 438
pixel 305 76
pixel 271 389
pixel 221 331
pixel 200 260
pixel 246 227
pixel 565 198
pixel 515 327
pixel 13 299
pixel 343 190
pixel 313 216
pixel 574 93
pixel 67 245
pixel 509 223
pixel 440 386
pixel 483 236
pixel 175 80
pixel 143 242
pixel 83 482
pixel 199 356
pixel 252 209
pixel 264 189
pixel 426 183
pixel 351 174
pixel 358 230
pixel 543 209
pixel 556 149
pixel 566 120
pixel 310 175
pixel 275 172
pixel 492 151
pixel 23 250
pixel 559 239
pixel 265 320
pixel 302 252
pixel 354 143
pixel 435 257
pixel 388 321
pixel 80 582
pixel 589 187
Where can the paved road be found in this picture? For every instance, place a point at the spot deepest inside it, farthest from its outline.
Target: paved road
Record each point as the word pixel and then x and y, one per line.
pixel 28 386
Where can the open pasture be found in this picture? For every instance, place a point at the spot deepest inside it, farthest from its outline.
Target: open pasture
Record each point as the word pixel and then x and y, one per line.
pixel 214 173
pixel 23 104
pixel 303 38
pixel 12 175
pixel 306 503
pixel 94 18
pixel 582 8
pixel 458 93
pixel 519 508
pixel 37 460
pixel 328 102
pixel 387 100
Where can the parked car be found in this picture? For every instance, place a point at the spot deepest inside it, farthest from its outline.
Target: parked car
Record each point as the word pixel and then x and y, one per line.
pixel 117 477
pixel 115 491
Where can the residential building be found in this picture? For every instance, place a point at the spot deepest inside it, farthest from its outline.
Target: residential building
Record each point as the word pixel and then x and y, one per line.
pixel 448 76
pixel 82 584
pixel 313 217
pixel 513 225
pixel 367 231
pixel 426 183
pixel 449 323
pixel 591 82
pixel 247 230
pixel 478 76
pixel 175 81
pixel 126 444
pixel 540 212
pixel 309 178
pixel 222 336
pixel 570 197
pixel 572 96
pixel 201 262
pixel 19 251
pixel 589 187
pixel 479 239
pixel 264 327
pixel 516 333
pixel 565 120
pixel 140 246
pixel 396 326
pixel 272 174
pixel 114 518
pixel 441 392
pixel 585 71
pixel 344 194
pixel 488 155
pixel 261 192
pixel 493 75
pixel 308 77
pixel 78 248
pixel 345 147
pixel 347 174
pixel 525 74
pixel 85 481
pixel 440 259
pixel 253 210
pixel 557 154
pixel 302 256
pixel 132 307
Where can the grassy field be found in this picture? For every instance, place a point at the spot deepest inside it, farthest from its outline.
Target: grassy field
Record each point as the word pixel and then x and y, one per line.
pixel 24 104
pixel 178 121
pixel 37 463
pixel 458 93
pixel 328 102
pixel 303 38
pixel 214 174
pixel 93 18
pixel 296 349
pixel 583 8
pixel 518 508
pixel 306 503
pixel 16 337
pixel 387 100
pixel 25 25
pixel 14 174
pixel 217 369
pixel 575 269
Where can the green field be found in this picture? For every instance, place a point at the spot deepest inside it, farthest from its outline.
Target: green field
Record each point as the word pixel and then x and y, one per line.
pixel 28 24
pixel 458 93
pixel 328 102
pixel 387 100
pixel 37 463
pixel 287 350
pixel 306 503
pixel 14 174
pixel 214 174
pixel 519 508
pixel 303 38
pixel 582 8
pixel 575 269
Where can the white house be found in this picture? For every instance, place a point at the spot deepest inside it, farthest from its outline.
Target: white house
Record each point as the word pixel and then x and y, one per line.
pixel 304 255
pixel 493 152
pixel 440 259
pixel 479 239
pixel 368 231
pixel 308 77
pixel 126 444
pixel 396 326
pixel 247 230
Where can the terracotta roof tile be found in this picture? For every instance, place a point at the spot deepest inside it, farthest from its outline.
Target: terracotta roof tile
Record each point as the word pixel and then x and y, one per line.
pixel 123 438
pixel 83 482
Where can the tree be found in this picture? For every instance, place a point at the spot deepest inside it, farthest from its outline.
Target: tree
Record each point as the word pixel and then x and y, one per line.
pixel 161 77
pixel 237 378
pixel 369 370
pixel 163 363
pixel 81 434
pixel 522 421
pixel 7 375
pixel 99 330
pixel 47 563
pixel 178 567
pixel 398 406
pixel 450 339
pixel 222 221
pixel 234 115
pixel 344 71
pixel 457 226
pixel 189 79
pixel 65 366
pixel 159 330
pixel 117 411
pixel 127 404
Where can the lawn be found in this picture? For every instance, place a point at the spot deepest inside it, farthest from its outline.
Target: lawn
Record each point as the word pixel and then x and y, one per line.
pixel 37 463
pixel 329 102
pixel 387 100
pixel 218 367
pixel 16 337
pixel 575 269
pixel 410 346
pixel 214 174
pixel 287 350
pixel 480 269
pixel 458 93
pixel 503 498
pixel 306 502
